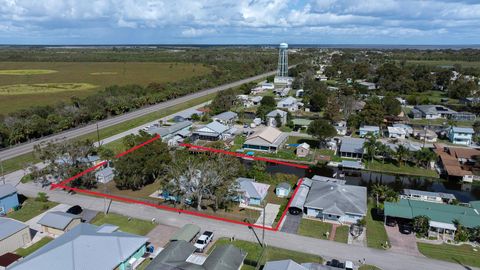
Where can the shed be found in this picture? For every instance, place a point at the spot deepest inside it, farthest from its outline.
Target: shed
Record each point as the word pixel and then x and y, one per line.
pixel 57 223
pixel 186 233
pixel 13 235
pixel 283 189
pixel 8 198
pixel 105 175
pixel 303 150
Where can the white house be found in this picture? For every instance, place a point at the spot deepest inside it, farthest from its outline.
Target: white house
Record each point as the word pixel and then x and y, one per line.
pixel 408 129
pixel 271 117
pixel 374 130
pixel 341 128
pixel 396 132
pixel 226 118
pixel 105 175
pixel 461 135
pixel 289 103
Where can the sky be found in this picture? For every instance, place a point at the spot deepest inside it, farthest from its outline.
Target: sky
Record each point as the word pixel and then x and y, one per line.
pixel 240 22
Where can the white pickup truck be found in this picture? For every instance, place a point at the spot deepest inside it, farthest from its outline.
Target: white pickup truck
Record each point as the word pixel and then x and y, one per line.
pixel 203 241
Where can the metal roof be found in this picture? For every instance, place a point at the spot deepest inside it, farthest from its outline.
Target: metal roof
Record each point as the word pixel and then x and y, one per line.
pixel 6 190
pixel 370 128
pixel 167 130
pixel 253 189
pixel 284 185
pixel 463 130
pixel 83 248
pixel 213 127
pixel 56 219
pixel 274 113
pixel 352 145
pixel 186 233
pixel 283 265
pixel 442 195
pixel 226 116
pixel 9 227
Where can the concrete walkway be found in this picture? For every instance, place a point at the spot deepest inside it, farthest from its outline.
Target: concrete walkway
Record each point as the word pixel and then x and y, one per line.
pixel 271 211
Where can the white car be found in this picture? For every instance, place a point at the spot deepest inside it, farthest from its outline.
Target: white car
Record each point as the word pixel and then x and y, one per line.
pixel 348 265
pixel 203 241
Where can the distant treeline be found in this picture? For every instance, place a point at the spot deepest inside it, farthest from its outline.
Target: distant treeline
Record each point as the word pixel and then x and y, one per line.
pixel 467 55
pixel 227 66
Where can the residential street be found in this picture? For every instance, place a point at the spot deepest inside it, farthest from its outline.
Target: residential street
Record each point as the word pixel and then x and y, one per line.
pixel 327 249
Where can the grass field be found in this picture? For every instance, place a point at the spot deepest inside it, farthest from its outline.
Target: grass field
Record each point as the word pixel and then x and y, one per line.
pixel 29 250
pixel 315 229
pixel 368 267
pixel 406 169
pixel 31 209
pixel 376 234
pixel 341 235
pixel 464 254
pixel 96 74
pixel 255 255
pixel 135 226
pixel 23 72
pixel 44 88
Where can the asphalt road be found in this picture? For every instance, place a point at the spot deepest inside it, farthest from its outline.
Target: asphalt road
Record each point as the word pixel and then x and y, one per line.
pixel 385 259
pixel 73 133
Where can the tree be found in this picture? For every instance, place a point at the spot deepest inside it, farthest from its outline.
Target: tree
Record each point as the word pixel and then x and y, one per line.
pixel 383 193
pixel 424 156
pixel 371 146
pixel 384 151
pixel 321 129
pixel 268 101
pixel 373 112
pixel 278 120
pixel 401 153
pixel 332 109
pixel 223 101
pixel 391 105
pixel 317 100
pixel 462 234
pixel 421 225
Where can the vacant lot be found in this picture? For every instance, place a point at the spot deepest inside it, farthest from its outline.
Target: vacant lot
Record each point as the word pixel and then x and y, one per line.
pixel 24 77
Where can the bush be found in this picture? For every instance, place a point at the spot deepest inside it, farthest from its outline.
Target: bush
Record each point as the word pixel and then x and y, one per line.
pixel 42 197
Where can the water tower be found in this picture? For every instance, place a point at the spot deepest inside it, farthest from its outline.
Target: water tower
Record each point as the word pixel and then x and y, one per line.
pixel 283 60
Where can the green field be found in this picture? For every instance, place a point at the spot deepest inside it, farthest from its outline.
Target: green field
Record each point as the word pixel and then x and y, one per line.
pixel 135 226
pixel 30 209
pixel 464 254
pixel 314 228
pixel 376 233
pixel 97 75
pixel 23 72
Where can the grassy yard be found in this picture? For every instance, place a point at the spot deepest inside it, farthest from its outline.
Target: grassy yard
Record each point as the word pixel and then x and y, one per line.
pixel 29 250
pixel 376 234
pixel 314 228
pixel 254 253
pixel 377 166
pixel 135 226
pixel 368 267
pixel 463 254
pixel 341 235
pixel 31 209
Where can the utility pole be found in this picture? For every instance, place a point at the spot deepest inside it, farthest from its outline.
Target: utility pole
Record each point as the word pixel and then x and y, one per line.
pixel 98 136
pixel 1 168
pixel 263 227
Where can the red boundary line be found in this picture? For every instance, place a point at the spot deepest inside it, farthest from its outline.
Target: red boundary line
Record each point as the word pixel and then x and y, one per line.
pixel 63 185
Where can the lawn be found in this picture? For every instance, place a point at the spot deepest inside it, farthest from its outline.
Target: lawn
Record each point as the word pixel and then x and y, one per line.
pixel 17 163
pixel 135 226
pixel 23 72
pixel 376 234
pixel 463 254
pixel 377 166
pixel 43 88
pixel 368 267
pixel 255 255
pixel 29 250
pixel 31 209
pixel 341 235
pixel 314 228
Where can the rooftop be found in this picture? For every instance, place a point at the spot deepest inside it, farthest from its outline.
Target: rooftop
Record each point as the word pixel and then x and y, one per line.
pixel 9 226
pixel 6 190
pixel 56 219
pixel 352 145
pixel 225 116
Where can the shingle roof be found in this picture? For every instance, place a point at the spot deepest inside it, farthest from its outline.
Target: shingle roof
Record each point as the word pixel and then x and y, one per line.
pixel 275 112
pixel 83 248
pixel 283 265
pixel 10 226
pixel 337 198
pixel 352 145
pixel 56 219
pixel 253 189
pixel 434 109
pixel 186 233
pixel 167 130
pixel 6 190
pixel 225 257
pixel 267 136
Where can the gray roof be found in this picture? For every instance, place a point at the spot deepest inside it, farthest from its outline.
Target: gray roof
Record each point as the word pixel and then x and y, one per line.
pixel 247 185
pixel 56 219
pixel 10 226
pixel 283 265
pixel 463 130
pixel 370 128
pixel 105 172
pixel 6 190
pixel 186 233
pixel 284 185
pixel 274 113
pixel 226 116
pixel 434 109
pixel 83 248
pixel 299 200
pixel 225 257
pixel 318 266
pixel 337 198
pixel 167 130
pixel 442 195
pixel 213 127
pixel 188 113
pixel 352 145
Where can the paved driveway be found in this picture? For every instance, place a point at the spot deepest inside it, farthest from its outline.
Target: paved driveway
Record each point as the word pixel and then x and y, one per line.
pixel 161 235
pixel 291 223
pixel 402 243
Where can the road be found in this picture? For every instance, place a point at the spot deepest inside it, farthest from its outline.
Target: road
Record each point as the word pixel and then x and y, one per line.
pixel 328 249
pixel 74 133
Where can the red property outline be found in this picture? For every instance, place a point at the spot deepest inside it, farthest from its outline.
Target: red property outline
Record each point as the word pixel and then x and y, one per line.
pixel 63 185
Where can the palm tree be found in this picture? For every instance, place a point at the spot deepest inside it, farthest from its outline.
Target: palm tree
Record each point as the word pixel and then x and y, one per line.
pixel 384 151
pixel 383 193
pixel 401 154
pixel 421 225
pixel 371 146
pixel 424 157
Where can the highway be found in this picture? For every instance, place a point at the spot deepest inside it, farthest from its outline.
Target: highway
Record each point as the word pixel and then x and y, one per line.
pixel 77 132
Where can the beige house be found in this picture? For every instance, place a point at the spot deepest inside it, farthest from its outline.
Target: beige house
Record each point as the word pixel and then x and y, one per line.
pixel 57 223
pixel 303 150
pixel 268 139
pixel 13 235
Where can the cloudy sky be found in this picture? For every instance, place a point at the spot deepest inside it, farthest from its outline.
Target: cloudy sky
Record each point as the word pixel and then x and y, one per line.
pixel 239 21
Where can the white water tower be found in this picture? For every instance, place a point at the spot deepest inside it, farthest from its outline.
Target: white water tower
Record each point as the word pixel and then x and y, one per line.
pixel 282 70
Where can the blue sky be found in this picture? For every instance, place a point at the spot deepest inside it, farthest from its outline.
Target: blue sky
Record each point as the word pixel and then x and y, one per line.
pixel 239 21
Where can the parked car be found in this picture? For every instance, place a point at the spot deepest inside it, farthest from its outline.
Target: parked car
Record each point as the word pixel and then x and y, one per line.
pixel 391 222
pixel 75 210
pixel 348 265
pixel 336 263
pixel 203 241
pixel 405 228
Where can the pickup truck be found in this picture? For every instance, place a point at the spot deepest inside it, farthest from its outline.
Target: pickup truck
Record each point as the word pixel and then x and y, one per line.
pixel 203 241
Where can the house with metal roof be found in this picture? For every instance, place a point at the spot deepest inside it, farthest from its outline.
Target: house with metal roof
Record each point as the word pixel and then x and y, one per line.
pixel 13 235
pixel 460 135
pixel 396 132
pixel 213 131
pixel 8 199
pixel 57 223
pixel 427 196
pixel 408 129
pixel 268 139
pixel 87 247
pixel 226 118
pixel 166 133
pixel 283 189
pixel 104 175
pixel 187 115
pixel 434 111
pixel 351 147
pixel 271 117
pixel 251 192
pixel 369 130
pixel 289 103
pixel 175 256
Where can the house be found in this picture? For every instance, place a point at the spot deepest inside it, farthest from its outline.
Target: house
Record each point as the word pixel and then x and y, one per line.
pixel 366 85
pixel 464 116
pixel 352 147
pixel 168 132
pixel 213 131
pixel 57 223
pixel 187 114
pixel 283 189
pixel 457 163
pixel 302 150
pixel 408 129
pixel 335 201
pixel 267 86
pixel 369 130
pixel 104 175
pixel 271 117
pixel 292 265
pixel 88 247
pixel 13 235
pixel 8 199
pixel 289 103
pixel 470 101
pixel 178 256
pixel 187 233
pixel 251 192
pixel 341 128
pixel 8 259
pixel 256 100
pixel 396 132
pixel 301 123
pixel 433 111
pixel 226 118
pixel 267 139
pixel 426 135
pixel 282 92
pixel 460 135
pixel 427 196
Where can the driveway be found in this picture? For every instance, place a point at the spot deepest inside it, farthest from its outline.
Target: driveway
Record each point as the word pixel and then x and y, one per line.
pixel 271 211
pixel 402 243
pixel 161 235
pixel 291 223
